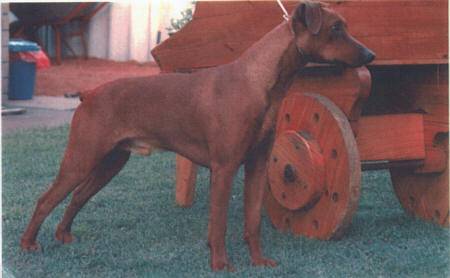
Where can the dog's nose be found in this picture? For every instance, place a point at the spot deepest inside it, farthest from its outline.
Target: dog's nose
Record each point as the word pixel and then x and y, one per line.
pixel 370 55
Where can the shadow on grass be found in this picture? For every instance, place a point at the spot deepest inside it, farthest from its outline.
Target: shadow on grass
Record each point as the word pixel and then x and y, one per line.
pixel 133 228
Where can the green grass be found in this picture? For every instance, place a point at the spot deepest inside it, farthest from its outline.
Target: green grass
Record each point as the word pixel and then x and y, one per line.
pixel 133 228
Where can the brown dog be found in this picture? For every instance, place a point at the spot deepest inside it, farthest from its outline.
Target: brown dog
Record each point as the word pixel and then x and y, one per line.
pixel 219 117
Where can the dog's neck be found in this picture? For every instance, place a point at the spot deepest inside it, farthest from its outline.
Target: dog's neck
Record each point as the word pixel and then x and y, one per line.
pixel 272 62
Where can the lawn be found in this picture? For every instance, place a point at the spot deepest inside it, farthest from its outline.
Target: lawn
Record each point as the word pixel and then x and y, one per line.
pixel 133 228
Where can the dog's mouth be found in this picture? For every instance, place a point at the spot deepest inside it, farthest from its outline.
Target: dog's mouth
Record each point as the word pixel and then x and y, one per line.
pixel 341 64
pixel 367 57
pixel 346 65
pixel 337 63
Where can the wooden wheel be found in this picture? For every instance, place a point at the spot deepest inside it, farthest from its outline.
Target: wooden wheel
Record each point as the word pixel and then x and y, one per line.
pixel 314 169
pixel 425 195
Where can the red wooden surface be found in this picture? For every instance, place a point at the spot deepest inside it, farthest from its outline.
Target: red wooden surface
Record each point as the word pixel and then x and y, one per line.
pixel 391 137
pixel 334 183
pixel 400 32
pixel 425 195
pixel 296 170
pixel 347 88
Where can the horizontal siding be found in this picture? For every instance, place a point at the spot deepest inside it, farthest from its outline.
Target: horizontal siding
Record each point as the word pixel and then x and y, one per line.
pixel 4 54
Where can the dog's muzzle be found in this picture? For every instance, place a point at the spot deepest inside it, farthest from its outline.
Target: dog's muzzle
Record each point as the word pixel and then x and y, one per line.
pixel 365 57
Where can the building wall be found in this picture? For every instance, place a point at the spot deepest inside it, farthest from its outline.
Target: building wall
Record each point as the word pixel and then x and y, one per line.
pixel 122 31
pixel 4 42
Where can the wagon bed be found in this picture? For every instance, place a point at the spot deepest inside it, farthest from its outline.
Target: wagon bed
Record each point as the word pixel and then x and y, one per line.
pixel 396 108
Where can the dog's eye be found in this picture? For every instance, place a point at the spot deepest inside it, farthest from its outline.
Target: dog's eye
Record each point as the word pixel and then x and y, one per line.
pixel 336 28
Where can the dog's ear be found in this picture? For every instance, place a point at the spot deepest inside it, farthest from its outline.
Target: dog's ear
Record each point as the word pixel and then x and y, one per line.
pixel 310 14
pixel 313 17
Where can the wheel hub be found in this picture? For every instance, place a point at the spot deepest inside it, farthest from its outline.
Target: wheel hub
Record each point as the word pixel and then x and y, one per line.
pixel 296 170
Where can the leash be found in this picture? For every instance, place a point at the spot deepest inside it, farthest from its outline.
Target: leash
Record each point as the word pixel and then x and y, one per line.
pixel 286 17
pixel 285 13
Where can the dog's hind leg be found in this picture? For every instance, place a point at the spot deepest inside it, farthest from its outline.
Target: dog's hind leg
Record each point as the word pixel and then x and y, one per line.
pixel 83 153
pixel 69 177
pixel 63 185
pixel 110 165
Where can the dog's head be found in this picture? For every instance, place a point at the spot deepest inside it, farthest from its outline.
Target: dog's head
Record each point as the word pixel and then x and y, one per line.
pixel 322 36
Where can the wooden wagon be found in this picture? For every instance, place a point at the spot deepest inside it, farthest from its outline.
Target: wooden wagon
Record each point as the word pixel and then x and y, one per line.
pixel 336 122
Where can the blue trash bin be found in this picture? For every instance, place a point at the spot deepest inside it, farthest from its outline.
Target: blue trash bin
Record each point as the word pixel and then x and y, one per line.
pixel 22 74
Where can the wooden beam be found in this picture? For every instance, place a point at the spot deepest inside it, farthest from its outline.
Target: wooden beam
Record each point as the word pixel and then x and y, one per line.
pixel 391 137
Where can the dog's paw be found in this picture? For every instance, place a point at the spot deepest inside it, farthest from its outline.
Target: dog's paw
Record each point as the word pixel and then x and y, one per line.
pixel 30 245
pixel 263 261
pixel 220 265
pixel 64 237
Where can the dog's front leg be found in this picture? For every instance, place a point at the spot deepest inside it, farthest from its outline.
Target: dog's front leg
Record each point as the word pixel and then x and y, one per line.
pixel 255 181
pixel 220 190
